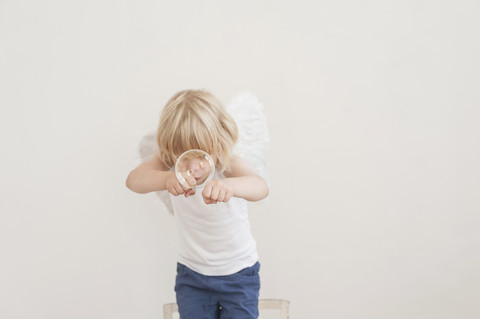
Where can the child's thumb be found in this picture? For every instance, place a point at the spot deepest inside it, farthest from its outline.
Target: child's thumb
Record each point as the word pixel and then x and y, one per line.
pixel 190 180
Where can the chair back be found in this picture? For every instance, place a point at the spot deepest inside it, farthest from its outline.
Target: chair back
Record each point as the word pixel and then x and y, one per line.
pixel 281 307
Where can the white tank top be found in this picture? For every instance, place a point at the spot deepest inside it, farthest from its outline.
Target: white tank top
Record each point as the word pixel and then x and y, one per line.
pixel 215 239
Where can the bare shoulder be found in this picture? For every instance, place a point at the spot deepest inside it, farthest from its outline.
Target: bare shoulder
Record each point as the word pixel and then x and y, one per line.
pixel 239 167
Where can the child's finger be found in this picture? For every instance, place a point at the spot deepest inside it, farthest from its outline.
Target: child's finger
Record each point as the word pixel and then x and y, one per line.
pixel 227 197
pixel 190 180
pixel 215 193
pixel 190 192
pixel 184 188
pixel 210 201
pixel 180 188
pixel 207 191
pixel 221 196
pixel 172 191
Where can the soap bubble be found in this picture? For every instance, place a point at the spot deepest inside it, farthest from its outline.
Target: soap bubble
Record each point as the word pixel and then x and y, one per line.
pixel 194 167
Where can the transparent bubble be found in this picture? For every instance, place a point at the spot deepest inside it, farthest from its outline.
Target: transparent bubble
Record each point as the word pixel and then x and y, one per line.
pixel 194 167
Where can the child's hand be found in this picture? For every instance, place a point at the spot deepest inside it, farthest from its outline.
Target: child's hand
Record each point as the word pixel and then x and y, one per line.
pixel 217 191
pixel 175 188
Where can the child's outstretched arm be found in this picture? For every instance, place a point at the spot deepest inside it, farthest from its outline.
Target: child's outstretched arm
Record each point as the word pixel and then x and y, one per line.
pixel 241 181
pixel 152 175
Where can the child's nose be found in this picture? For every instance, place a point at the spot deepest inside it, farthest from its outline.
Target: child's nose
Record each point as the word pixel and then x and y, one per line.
pixel 194 166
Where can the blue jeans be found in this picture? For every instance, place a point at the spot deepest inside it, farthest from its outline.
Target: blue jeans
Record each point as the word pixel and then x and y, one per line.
pixel 218 297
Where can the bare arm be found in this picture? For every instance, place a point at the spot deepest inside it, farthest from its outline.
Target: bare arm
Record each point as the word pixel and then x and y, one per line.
pixel 246 183
pixel 149 176
pixel 152 175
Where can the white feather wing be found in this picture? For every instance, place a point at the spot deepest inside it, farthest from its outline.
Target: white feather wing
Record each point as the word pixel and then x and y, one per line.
pixel 252 145
pixel 146 148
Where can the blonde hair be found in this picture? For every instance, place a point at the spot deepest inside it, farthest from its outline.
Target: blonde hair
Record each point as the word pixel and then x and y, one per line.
pixel 195 119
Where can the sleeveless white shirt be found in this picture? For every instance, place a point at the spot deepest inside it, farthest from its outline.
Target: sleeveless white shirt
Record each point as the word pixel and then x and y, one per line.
pixel 215 239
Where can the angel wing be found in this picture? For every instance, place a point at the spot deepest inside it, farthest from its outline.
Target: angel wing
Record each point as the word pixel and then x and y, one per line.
pixel 146 148
pixel 252 145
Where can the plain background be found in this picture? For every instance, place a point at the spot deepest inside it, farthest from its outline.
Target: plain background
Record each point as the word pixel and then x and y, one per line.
pixel 373 108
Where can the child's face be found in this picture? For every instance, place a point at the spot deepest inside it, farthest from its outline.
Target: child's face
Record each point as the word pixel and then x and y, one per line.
pixel 198 168
pixel 195 167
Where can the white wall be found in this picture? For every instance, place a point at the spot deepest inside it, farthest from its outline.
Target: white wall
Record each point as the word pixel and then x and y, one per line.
pixel 373 109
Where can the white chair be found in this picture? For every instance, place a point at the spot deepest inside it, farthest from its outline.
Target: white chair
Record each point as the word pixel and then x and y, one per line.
pixel 282 306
